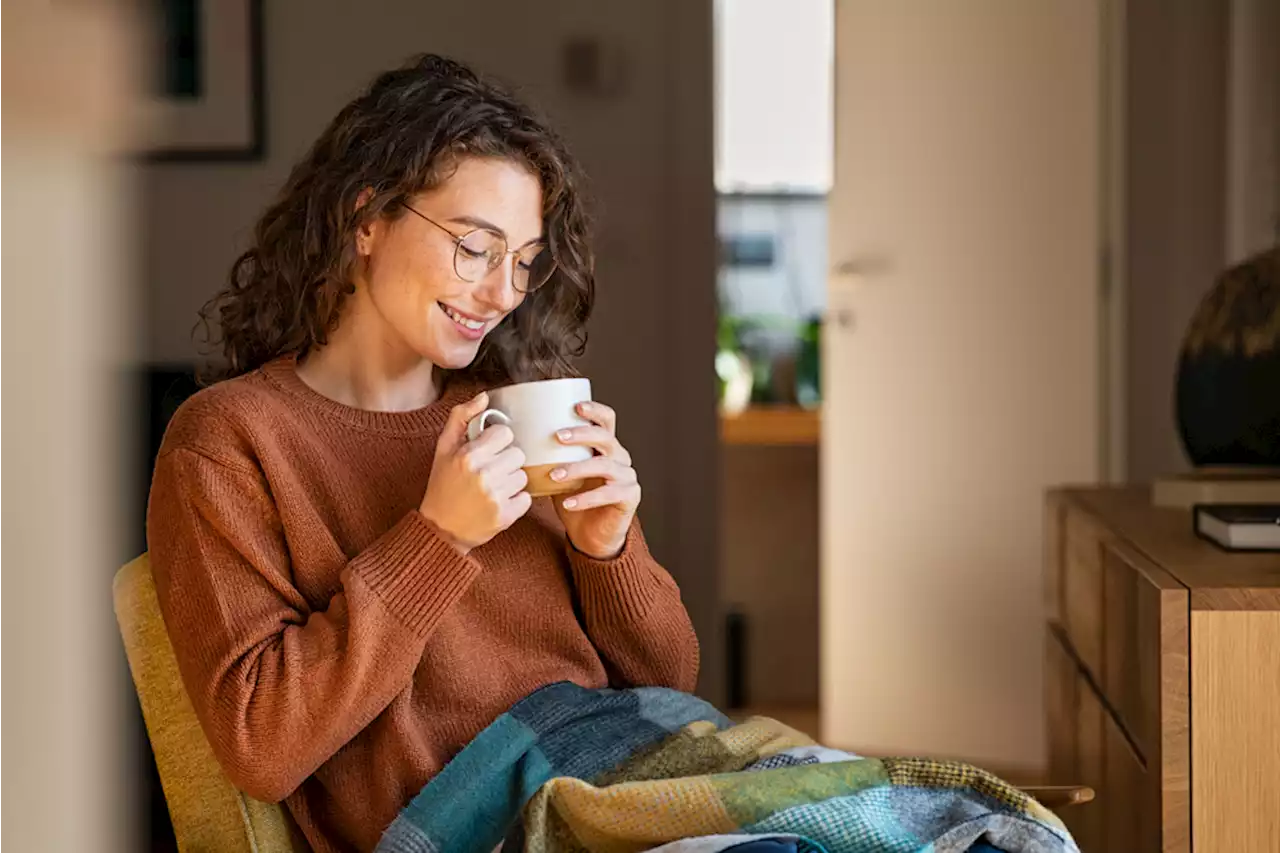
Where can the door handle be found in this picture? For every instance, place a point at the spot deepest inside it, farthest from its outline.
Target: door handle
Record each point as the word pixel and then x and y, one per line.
pixel 863 266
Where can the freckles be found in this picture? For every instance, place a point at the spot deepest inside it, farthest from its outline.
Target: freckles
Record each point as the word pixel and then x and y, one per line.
pixel 422 279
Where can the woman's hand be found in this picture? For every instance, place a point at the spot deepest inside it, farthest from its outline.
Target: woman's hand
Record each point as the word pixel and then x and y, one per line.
pixel 597 520
pixel 476 489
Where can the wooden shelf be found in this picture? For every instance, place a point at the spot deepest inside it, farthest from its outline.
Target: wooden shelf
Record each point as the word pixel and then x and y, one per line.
pixel 772 425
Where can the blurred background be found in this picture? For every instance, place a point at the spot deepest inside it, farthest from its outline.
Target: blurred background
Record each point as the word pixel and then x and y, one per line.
pixel 872 276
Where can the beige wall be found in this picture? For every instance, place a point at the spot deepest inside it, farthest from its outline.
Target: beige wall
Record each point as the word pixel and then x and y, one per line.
pixel 1174 173
pixel 1253 128
pixel 68 79
pixel 647 149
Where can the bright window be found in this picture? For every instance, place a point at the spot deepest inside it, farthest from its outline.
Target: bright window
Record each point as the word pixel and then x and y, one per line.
pixel 774 95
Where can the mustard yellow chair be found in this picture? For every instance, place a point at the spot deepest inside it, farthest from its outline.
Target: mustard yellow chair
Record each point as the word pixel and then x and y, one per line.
pixel 209 814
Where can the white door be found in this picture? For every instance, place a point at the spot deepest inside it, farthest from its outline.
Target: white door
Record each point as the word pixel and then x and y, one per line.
pixel 961 363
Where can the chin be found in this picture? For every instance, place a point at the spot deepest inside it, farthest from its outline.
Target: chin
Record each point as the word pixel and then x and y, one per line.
pixel 451 358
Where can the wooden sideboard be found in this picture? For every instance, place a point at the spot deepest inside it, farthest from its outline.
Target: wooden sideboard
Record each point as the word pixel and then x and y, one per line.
pixel 1162 678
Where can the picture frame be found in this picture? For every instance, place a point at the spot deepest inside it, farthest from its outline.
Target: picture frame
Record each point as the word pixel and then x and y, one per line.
pixel 207 103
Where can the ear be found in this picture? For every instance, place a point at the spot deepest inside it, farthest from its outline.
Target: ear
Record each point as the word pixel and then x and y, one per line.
pixel 367 232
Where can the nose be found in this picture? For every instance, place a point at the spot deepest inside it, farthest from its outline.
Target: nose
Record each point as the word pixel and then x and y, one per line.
pixel 497 289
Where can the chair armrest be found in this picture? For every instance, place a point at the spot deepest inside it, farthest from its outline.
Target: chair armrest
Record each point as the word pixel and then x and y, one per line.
pixel 1054 797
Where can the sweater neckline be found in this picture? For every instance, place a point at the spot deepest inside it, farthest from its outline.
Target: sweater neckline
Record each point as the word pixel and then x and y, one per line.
pixel 283 373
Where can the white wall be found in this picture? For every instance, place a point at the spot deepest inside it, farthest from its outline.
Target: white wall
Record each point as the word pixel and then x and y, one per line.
pixel 773 95
pixel 648 151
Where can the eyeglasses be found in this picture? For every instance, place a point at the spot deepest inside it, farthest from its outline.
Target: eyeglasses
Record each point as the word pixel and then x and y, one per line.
pixel 478 253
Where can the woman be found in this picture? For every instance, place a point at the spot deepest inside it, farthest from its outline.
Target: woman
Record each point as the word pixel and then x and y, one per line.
pixel 352 589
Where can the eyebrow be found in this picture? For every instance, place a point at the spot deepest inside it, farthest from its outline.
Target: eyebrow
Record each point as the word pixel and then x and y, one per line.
pixel 477 222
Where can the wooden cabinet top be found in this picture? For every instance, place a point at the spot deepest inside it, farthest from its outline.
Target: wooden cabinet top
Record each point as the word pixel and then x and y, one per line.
pixel 1216 579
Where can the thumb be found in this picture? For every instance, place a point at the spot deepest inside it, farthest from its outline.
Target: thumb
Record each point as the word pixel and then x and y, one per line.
pixel 454 434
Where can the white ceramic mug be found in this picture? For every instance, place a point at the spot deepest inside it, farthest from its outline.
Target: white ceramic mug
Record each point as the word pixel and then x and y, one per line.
pixel 535 412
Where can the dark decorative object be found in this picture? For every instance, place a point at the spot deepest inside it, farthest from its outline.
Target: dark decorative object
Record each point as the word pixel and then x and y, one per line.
pixel 735 644
pixel 1228 389
pixel 160 390
pixel 183 58
pixel 208 104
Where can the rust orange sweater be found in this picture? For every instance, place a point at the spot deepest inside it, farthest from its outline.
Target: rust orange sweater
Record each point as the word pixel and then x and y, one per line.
pixel 337 650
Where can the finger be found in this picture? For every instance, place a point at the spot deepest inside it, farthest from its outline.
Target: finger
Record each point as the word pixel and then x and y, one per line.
pixel 610 494
pixel 602 467
pixel 596 437
pixel 599 413
pixel 491 442
pixel 476 456
pixel 517 507
pixel 509 484
pixel 454 434
pixel 507 461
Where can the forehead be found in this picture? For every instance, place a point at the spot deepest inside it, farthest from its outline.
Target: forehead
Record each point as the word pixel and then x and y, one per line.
pixel 496 190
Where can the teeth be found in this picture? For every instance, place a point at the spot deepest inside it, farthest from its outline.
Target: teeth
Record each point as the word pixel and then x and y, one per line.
pixel 462 321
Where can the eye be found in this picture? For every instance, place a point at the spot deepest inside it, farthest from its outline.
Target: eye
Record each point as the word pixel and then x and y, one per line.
pixel 482 245
pixel 532 258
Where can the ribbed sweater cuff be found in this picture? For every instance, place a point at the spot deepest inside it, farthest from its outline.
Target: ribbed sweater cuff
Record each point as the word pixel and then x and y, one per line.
pixel 621 589
pixel 416 572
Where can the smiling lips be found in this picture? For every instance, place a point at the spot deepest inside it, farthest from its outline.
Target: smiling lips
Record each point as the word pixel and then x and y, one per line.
pixel 468 326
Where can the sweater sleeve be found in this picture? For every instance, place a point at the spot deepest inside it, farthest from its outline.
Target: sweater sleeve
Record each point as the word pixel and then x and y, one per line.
pixel 280 687
pixel 635 618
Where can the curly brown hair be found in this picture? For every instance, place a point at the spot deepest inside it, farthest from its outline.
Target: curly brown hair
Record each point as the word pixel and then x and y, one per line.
pixel 399 138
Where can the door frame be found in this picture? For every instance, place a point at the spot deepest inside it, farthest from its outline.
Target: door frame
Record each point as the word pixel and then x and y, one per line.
pixel 1113 301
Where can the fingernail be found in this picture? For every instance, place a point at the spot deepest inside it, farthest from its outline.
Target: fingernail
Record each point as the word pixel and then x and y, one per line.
pixel 559 474
pixel 570 503
pixel 584 407
pixel 565 434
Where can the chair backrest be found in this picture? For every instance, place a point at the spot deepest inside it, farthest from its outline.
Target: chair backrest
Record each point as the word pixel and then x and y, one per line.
pixel 208 812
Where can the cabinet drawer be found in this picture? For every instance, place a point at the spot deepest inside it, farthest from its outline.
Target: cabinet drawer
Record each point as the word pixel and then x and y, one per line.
pixel 1062 697
pixel 1082 587
pixel 1086 820
pixel 1053 538
pixel 1130 797
pixel 1131 637
pixel 1147 683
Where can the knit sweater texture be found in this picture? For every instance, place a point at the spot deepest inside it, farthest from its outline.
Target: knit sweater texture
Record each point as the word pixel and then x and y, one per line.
pixel 338 650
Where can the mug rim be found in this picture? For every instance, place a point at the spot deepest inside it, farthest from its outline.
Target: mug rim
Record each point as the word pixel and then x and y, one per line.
pixel 539 382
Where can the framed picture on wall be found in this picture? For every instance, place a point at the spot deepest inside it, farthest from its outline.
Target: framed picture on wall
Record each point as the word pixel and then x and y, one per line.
pixel 206 102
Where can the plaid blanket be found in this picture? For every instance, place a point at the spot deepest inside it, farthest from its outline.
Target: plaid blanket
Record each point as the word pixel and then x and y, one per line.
pixel 571 770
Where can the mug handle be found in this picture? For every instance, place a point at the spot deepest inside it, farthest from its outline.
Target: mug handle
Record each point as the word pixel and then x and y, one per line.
pixel 482 421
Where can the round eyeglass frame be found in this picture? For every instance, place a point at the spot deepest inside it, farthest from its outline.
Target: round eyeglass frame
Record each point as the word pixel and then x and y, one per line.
pixel 458 257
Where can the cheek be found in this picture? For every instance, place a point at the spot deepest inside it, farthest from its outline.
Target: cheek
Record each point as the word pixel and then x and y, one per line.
pixel 408 280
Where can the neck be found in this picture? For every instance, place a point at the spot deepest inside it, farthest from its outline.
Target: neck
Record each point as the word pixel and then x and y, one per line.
pixel 366 366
